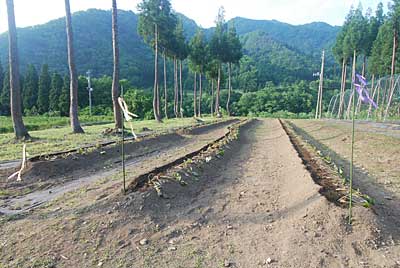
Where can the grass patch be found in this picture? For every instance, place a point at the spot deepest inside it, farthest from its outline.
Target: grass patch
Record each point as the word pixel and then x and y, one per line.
pixel 34 123
pixel 60 139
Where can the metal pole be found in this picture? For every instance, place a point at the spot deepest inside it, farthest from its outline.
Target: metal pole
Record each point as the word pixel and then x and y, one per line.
pixel 90 101
pixel 90 89
pixel 123 144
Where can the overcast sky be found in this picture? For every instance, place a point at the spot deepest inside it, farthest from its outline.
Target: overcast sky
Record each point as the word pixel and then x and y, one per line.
pixel 33 12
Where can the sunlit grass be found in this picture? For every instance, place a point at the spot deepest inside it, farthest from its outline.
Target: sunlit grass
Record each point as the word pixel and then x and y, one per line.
pixel 45 122
pixel 61 139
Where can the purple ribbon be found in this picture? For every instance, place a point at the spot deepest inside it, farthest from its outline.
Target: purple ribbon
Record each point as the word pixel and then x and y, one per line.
pixel 360 84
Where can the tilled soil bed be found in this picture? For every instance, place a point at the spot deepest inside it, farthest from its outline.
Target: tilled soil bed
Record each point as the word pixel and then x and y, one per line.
pixel 255 205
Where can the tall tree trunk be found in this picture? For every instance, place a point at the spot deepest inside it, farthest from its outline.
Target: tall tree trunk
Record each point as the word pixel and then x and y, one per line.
pixel 353 75
pixel 181 89
pixel 73 108
pixel 212 97
pixel 165 87
pixel 115 83
pixel 156 104
pixel 20 130
pixel 218 92
pixel 176 96
pixel 195 95
pixel 229 89
pixel 393 70
pixel 200 94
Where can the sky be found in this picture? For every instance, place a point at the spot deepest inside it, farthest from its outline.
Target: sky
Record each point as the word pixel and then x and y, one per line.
pixel 33 12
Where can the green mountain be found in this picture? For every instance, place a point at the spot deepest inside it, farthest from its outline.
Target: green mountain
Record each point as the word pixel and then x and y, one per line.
pixel 275 61
pixel 308 38
pixel 282 52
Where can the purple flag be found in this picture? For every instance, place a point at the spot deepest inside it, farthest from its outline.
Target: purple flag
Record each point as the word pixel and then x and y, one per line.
pixel 360 84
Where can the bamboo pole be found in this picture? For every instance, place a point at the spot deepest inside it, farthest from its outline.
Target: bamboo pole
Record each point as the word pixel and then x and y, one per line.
pixel 352 143
pixel 123 145
pixel 373 87
pixel 342 89
pixel 321 83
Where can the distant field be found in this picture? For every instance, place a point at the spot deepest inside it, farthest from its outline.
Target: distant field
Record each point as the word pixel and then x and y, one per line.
pixel 50 140
pixel 45 122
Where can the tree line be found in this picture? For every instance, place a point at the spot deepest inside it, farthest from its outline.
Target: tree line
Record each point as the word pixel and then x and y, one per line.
pixel 370 41
pixel 160 28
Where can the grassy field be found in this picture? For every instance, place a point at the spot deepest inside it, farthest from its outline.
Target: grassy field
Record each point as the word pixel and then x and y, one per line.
pixel 60 139
pixel 45 122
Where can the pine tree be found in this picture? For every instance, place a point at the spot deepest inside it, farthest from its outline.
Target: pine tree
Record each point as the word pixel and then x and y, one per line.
pixel 381 55
pixel 63 101
pixel 198 59
pixel 31 88
pixel 234 56
pixel 155 26
pixel 55 92
pixel 219 50
pixel 182 54
pixel 44 90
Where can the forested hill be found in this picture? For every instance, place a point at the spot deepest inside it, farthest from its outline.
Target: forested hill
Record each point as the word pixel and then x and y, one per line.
pixel 281 52
pixel 308 38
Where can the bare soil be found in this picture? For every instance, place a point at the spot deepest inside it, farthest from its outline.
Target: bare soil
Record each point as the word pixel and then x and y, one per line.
pixel 257 206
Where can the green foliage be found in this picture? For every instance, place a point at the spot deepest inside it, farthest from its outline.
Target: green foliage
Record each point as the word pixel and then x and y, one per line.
pixel 272 99
pixel 30 88
pixel 55 92
pixel 45 44
pixel 44 90
pixel 273 51
pixel 219 45
pixel 381 56
pixel 247 77
pixel 198 52
pixel 355 36
pixel 139 102
pixel 182 48
pixel 276 62
pixel 158 13
pixel 5 95
pixel 63 101
pixel 234 45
